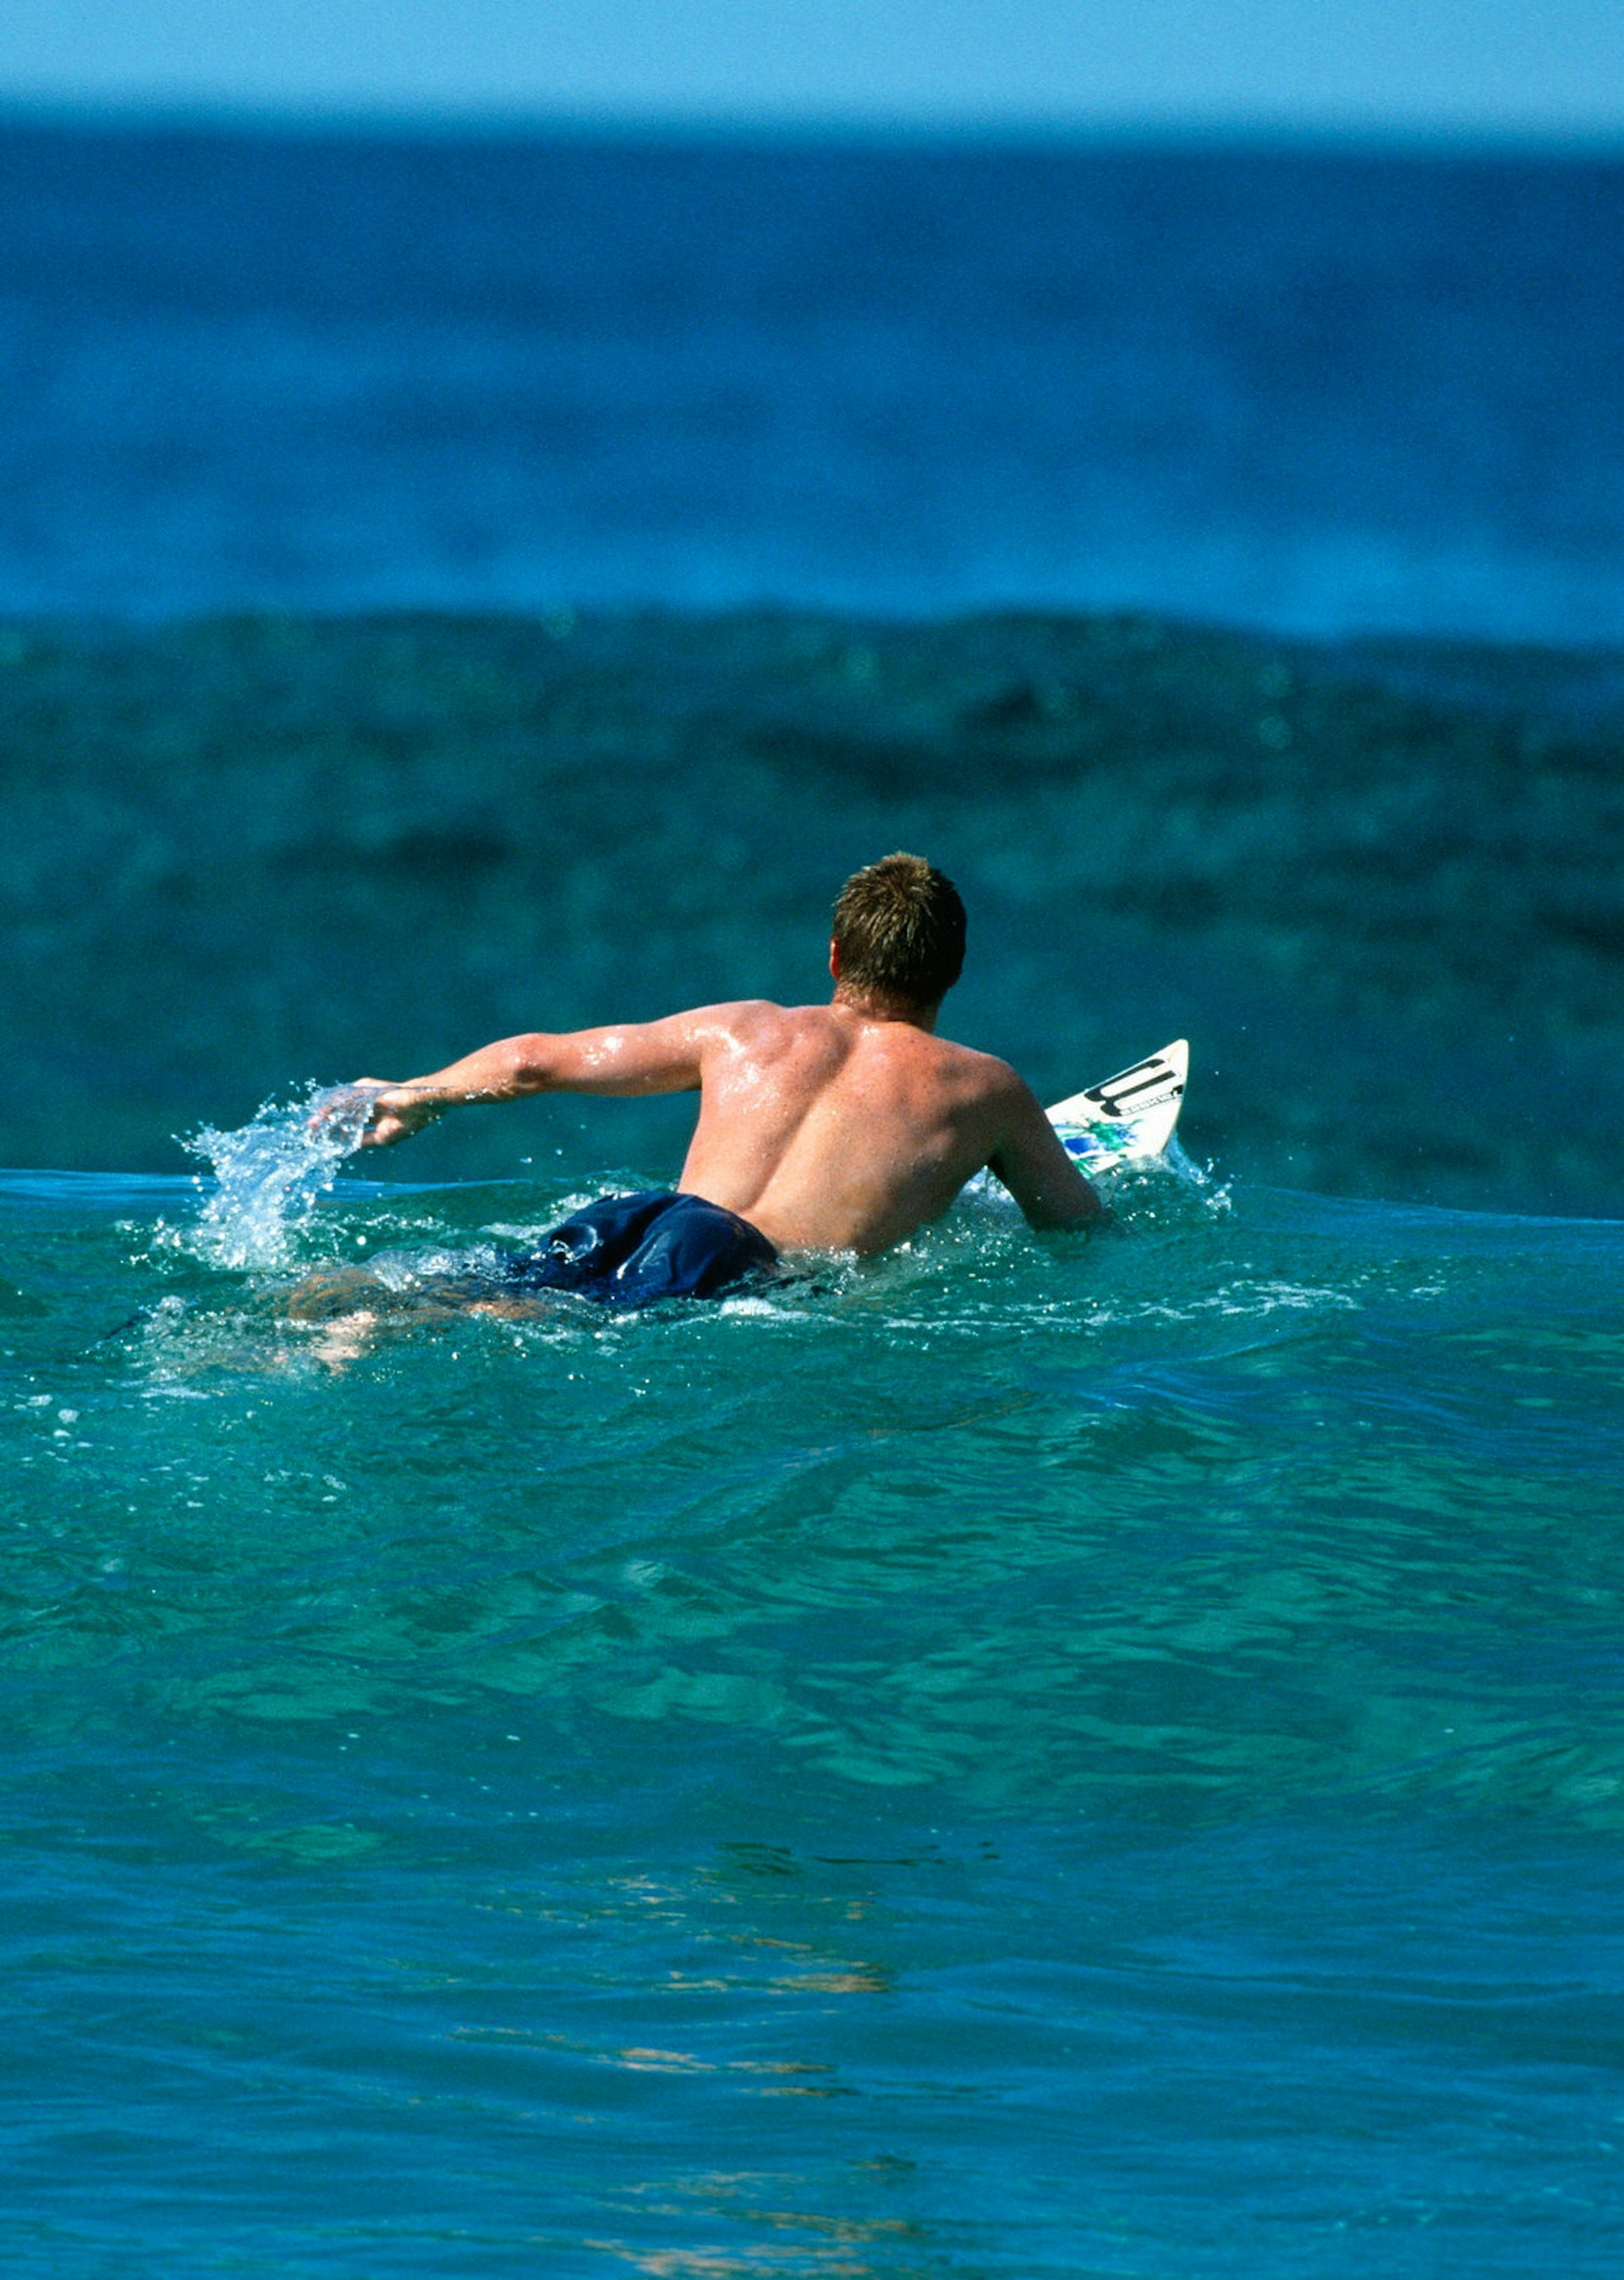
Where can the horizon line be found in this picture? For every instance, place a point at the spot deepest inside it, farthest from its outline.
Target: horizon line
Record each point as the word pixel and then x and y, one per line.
pixel 404 120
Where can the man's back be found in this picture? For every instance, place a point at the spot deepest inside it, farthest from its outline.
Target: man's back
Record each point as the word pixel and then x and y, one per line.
pixel 835 1127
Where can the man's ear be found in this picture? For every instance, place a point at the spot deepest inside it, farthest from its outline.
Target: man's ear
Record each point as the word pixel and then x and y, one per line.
pixel 833 960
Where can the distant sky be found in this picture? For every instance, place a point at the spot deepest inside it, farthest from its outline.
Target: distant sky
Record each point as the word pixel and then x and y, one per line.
pixel 1541 66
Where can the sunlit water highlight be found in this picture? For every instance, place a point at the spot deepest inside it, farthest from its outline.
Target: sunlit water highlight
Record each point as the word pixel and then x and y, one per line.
pixel 1029 1757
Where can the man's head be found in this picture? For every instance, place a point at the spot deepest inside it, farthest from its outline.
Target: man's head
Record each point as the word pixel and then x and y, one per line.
pixel 899 933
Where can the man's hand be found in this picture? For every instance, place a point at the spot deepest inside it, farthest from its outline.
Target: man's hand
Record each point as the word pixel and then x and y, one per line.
pixel 398 1110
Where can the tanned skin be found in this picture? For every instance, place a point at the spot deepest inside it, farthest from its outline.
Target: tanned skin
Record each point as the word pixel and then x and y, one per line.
pixel 842 1126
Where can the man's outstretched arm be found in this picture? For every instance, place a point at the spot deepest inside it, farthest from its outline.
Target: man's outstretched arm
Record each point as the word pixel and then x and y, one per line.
pixel 640 1057
pixel 1032 1162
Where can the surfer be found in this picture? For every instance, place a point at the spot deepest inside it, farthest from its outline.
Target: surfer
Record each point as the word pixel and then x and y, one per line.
pixel 838 1127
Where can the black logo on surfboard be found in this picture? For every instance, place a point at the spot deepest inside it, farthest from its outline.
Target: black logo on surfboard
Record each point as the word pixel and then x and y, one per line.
pixel 1123 1095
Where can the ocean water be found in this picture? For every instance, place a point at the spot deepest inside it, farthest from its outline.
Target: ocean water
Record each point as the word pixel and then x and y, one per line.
pixel 1319 390
pixel 1022 1758
pixel 1032 1756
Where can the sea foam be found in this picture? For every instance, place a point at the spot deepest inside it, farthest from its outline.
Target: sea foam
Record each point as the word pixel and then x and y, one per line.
pixel 269 1173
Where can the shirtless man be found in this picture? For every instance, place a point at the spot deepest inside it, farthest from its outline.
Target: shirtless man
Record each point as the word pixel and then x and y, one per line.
pixel 842 1126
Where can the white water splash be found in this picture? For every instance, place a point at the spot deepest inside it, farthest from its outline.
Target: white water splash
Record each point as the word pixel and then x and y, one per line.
pixel 269 1175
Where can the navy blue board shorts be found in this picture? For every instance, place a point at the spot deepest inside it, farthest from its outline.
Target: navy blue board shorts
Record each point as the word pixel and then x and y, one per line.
pixel 628 1250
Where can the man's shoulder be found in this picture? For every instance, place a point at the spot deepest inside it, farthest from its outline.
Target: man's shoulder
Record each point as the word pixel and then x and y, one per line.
pixel 733 1014
pixel 757 1023
pixel 764 1013
pixel 985 1070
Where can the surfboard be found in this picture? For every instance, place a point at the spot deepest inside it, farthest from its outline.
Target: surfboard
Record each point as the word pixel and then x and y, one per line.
pixel 1130 1117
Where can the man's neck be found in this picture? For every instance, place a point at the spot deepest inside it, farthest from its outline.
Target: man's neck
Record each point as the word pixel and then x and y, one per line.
pixel 873 1005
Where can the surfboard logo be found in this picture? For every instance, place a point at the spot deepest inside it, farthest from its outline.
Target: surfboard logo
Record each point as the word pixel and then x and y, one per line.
pixel 1146 1083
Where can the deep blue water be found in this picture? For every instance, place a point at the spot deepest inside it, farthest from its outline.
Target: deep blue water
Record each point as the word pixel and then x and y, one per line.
pixel 1323 391
pixel 1024 1759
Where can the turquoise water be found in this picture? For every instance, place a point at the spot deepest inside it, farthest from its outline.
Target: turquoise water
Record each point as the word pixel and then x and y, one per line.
pixel 1028 1757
